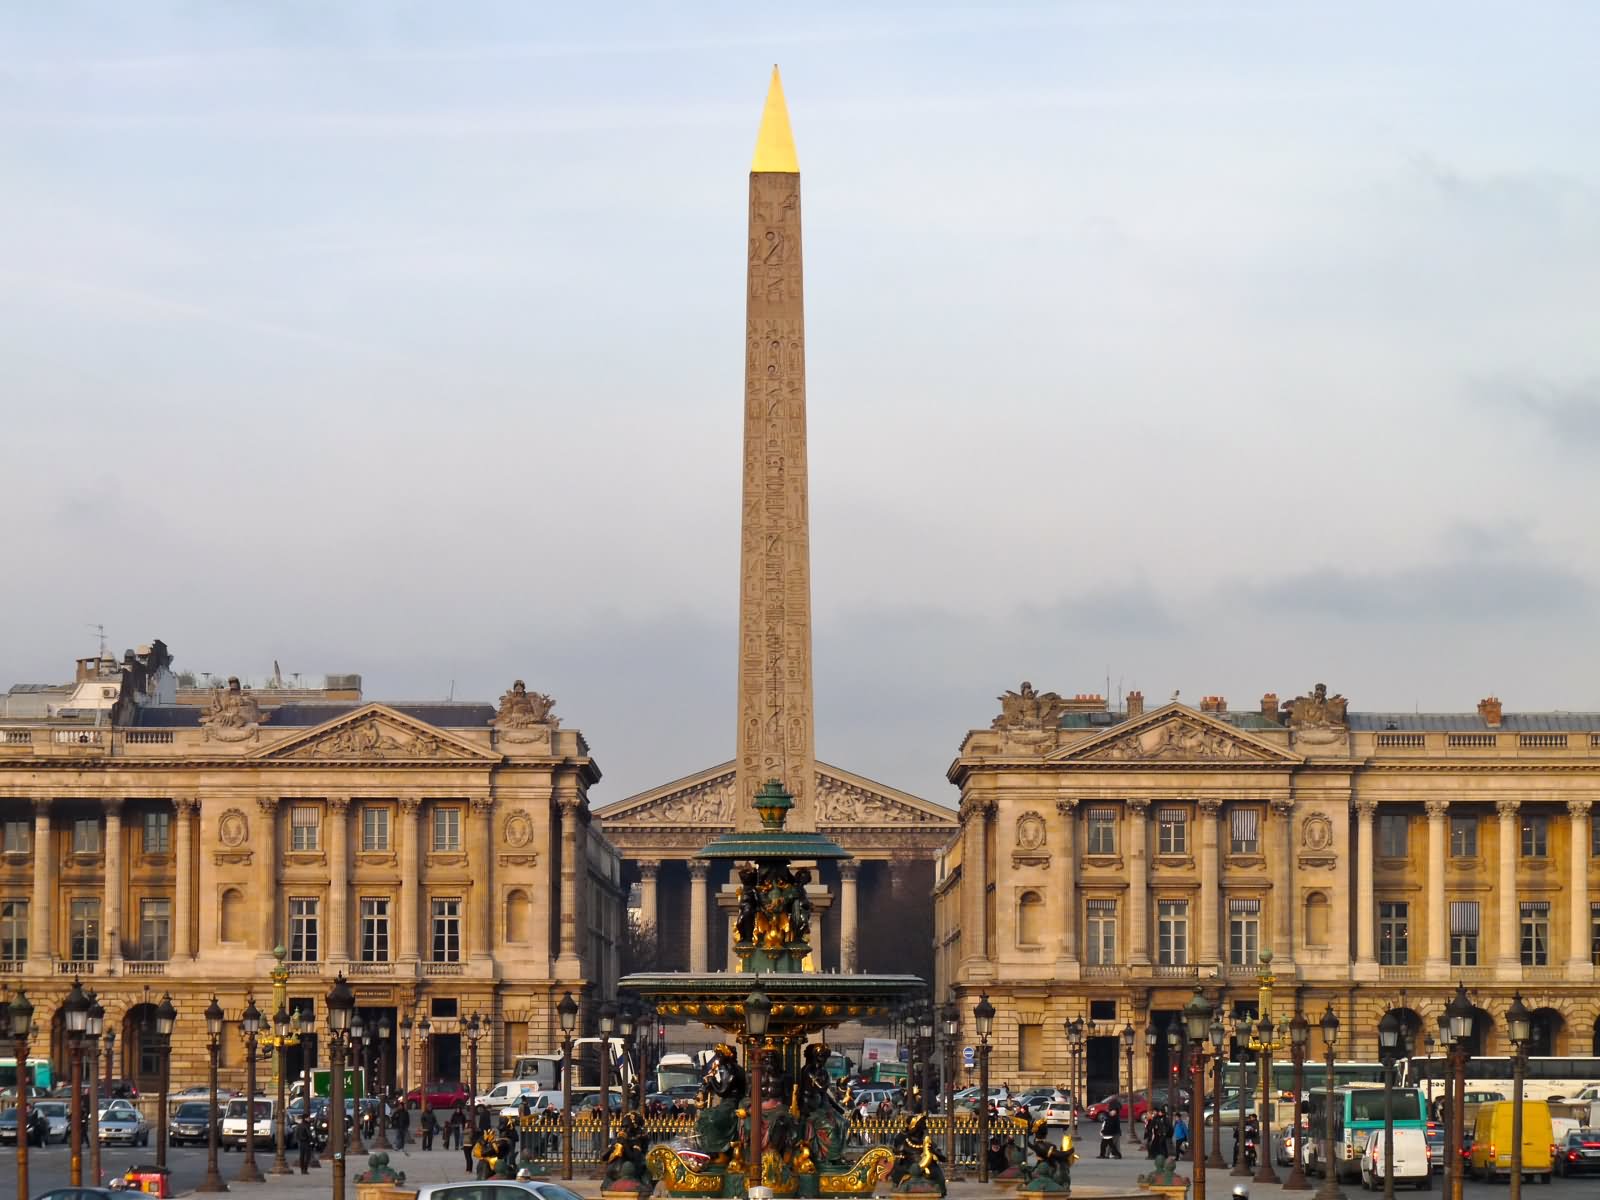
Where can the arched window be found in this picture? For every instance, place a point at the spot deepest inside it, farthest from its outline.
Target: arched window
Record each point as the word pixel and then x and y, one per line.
pixel 1030 919
pixel 519 915
pixel 231 926
pixel 1317 923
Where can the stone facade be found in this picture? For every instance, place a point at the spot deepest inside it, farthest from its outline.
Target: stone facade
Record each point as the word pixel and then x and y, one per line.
pixel 440 855
pixel 1107 861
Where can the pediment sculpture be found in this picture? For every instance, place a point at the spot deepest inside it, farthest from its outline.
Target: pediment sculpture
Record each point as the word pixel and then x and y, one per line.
pixel 525 716
pixel 1174 739
pixel 233 715
pixel 1026 708
pixel 374 739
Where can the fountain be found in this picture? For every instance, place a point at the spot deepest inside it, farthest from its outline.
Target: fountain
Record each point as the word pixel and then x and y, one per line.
pixel 772 1006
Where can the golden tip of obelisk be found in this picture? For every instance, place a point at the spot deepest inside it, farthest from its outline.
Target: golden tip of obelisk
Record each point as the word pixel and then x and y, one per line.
pixel 775 143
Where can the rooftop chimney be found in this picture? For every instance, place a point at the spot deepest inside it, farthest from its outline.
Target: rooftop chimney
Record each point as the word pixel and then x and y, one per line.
pixel 1489 710
pixel 1269 706
pixel 1213 704
pixel 1136 704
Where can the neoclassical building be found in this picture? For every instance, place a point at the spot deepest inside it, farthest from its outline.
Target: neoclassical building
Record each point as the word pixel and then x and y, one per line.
pixel 1108 861
pixel 164 839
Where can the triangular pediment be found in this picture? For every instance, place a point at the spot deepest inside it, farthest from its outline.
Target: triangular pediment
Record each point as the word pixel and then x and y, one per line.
pixel 705 800
pixel 1176 734
pixel 375 732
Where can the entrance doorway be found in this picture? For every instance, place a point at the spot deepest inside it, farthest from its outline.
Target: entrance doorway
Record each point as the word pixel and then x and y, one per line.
pixel 1101 1068
pixel 444 1058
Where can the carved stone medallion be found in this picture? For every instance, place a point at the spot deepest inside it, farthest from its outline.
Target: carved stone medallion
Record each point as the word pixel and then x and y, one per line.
pixel 518 829
pixel 233 828
pixel 1030 831
pixel 1316 832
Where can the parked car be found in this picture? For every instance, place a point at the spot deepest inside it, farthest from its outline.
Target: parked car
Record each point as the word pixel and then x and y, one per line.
pixel 191 1124
pixel 60 1117
pixel 1579 1154
pixel 1037 1098
pixel 82 1193
pixel 440 1095
pixel 38 1128
pixel 1412 1163
pixel 1059 1110
pixel 536 1189
pixel 235 1115
pixel 122 1123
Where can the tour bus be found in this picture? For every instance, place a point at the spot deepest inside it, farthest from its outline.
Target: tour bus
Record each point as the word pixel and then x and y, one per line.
pixel 1357 1110
pixel 43 1077
pixel 1316 1075
pixel 1543 1078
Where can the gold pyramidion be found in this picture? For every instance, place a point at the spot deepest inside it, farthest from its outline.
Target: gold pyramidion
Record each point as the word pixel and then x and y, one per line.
pixel 775 143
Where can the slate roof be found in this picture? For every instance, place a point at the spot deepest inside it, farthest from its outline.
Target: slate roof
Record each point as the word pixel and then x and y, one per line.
pixel 1550 722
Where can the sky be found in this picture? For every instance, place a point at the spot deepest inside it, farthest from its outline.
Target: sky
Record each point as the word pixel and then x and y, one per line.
pixel 1208 348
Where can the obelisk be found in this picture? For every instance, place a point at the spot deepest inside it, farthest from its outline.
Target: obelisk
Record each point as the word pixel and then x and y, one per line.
pixel 776 737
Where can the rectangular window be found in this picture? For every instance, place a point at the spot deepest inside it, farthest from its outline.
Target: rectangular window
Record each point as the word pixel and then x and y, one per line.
pixel 1463 837
pixel 18 837
pixel 1535 836
pixel 1100 922
pixel 1394 933
pixel 1463 933
pixel 1244 831
pixel 86 835
pixel 1100 828
pixel 157 833
pixel 302 929
pixel 1594 934
pixel 446 828
pixel 85 930
pixel 447 931
pixel 1172 932
pixel 155 930
pixel 1030 1047
pixel 1392 829
pixel 1244 932
pixel 305 822
pixel 13 930
pixel 1594 834
pixel 1172 831
pixel 374 929
pixel 1535 933
pixel 374 827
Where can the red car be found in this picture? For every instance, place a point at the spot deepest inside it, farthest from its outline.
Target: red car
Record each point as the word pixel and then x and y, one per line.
pixel 1098 1110
pixel 440 1095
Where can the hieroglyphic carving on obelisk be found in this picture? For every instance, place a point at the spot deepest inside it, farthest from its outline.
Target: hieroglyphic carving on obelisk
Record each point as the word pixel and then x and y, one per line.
pixel 776 733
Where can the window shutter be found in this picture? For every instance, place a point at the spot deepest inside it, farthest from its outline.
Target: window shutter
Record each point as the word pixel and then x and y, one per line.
pixel 1244 905
pixel 1464 917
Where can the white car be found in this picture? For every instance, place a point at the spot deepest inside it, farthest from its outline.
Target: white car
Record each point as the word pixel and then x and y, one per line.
pixel 1413 1163
pixel 233 1122
pixel 503 1095
pixel 122 1122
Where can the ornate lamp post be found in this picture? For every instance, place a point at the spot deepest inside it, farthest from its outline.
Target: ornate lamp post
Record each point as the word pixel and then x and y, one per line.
pixel 1519 1024
pixel 358 1062
pixel 250 1025
pixel 1129 1135
pixel 983 1015
pixel 627 1024
pixel 213 1181
pixel 1299 1036
pixel 280 1033
pixel 1244 1039
pixel 757 1014
pixel 1264 1031
pixel 76 1018
pixel 19 1023
pixel 166 1019
pixel 925 1028
pixel 1197 1024
pixel 92 1029
pixel 567 1014
pixel 1151 1037
pixel 1075 1057
pixel 405 1065
pixel 1427 1046
pixel 1389 1029
pixel 341 1004
pixel 1218 1033
pixel 1330 1164
pixel 608 1026
pixel 950 1016
pixel 474 1036
pixel 1174 1037
pixel 385 1032
pixel 425 1068
pixel 300 1024
pixel 111 1048
pixel 1458 1018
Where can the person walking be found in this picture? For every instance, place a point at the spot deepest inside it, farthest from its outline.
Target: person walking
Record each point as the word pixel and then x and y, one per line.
pixel 429 1125
pixel 1111 1132
pixel 468 1140
pixel 400 1122
pixel 302 1137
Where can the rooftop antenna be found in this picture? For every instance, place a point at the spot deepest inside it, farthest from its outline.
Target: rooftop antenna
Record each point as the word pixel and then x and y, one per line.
pixel 452 691
pixel 101 630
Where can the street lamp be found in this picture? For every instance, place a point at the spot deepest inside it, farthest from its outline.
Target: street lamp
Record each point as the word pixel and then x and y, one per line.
pixel 1457 1023
pixel 166 1019
pixel 358 1064
pixel 1151 1037
pixel 1330 1163
pixel 341 1004
pixel 385 1033
pixel 983 1015
pixel 1075 1043
pixel 1129 1136
pixel 1174 1049
pixel 1389 1029
pixel 76 1018
pixel 757 1016
pixel 925 1028
pixel 1299 1036
pixel 280 1033
pixel 950 1015
pixel 608 1026
pixel 424 1071
pixel 1519 1024
pixel 474 1035
pixel 406 1027
pixel 567 1014
pixel 1243 1040
pixel 213 1181
pixel 250 1025
pixel 627 1023
pixel 19 1024
pixel 93 1027
pixel 1197 1024
pixel 1217 1033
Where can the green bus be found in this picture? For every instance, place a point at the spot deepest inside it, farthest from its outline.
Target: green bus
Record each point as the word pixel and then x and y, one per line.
pixel 1357 1110
pixel 43 1076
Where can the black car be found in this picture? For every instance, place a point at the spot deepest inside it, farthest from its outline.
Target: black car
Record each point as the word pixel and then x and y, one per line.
pixel 1579 1154
pixel 191 1124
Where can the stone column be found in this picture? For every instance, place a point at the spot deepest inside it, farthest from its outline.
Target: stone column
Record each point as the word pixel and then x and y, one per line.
pixel 1138 883
pixel 568 963
pixel 481 924
pixel 42 943
pixel 184 809
pixel 849 955
pixel 974 883
pixel 1361 863
pixel 1438 963
pixel 1508 954
pixel 267 875
pixel 1282 810
pixel 408 919
pixel 338 879
pixel 1211 883
pixel 1578 962
pixel 1068 809
pixel 697 913
pixel 649 870
pixel 112 904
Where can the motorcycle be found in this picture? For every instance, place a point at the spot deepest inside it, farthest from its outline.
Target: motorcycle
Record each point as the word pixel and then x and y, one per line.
pixel 1250 1152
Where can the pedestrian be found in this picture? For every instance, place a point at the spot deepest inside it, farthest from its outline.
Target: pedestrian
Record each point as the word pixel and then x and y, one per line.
pixel 302 1135
pixel 466 1143
pixel 1111 1132
pixel 429 1125
pixel 401 1121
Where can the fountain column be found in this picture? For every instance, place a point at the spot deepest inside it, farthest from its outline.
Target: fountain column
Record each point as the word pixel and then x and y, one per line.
pixel 697 913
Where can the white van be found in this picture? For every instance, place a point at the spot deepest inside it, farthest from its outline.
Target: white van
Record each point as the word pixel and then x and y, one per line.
pixel 233 1122
pixel 508 1092
pixel 1412 1162
pixel 538 1104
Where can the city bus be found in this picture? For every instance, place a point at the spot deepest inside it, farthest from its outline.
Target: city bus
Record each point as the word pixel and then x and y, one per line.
pixel 1357 1110
pixel 43 1076
pixel 1316 1075
pixel 1543 1078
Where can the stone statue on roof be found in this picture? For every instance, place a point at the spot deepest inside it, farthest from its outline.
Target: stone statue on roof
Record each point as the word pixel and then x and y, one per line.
pixel 1028 709
pixel 1318 710
pixel 522 709
pixel 232 715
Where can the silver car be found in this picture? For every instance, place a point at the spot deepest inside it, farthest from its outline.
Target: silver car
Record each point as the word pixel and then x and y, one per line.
pixel 498 1189
pixel 121 1122
pixel 60 1118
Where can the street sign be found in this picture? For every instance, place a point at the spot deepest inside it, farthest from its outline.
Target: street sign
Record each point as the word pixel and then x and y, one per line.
pixel 969 1057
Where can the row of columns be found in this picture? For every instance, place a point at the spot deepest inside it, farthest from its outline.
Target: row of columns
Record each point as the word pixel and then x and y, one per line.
pixel 42 907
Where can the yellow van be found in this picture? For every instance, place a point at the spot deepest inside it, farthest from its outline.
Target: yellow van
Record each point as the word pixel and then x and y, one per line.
pixel 1491 1140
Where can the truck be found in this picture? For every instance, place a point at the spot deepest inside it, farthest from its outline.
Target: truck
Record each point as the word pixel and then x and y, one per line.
pixel 322 1084
pixel 545 1069
pixel 676 1070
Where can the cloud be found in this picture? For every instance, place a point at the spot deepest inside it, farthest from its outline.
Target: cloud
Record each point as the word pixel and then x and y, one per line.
pixel 1568 413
